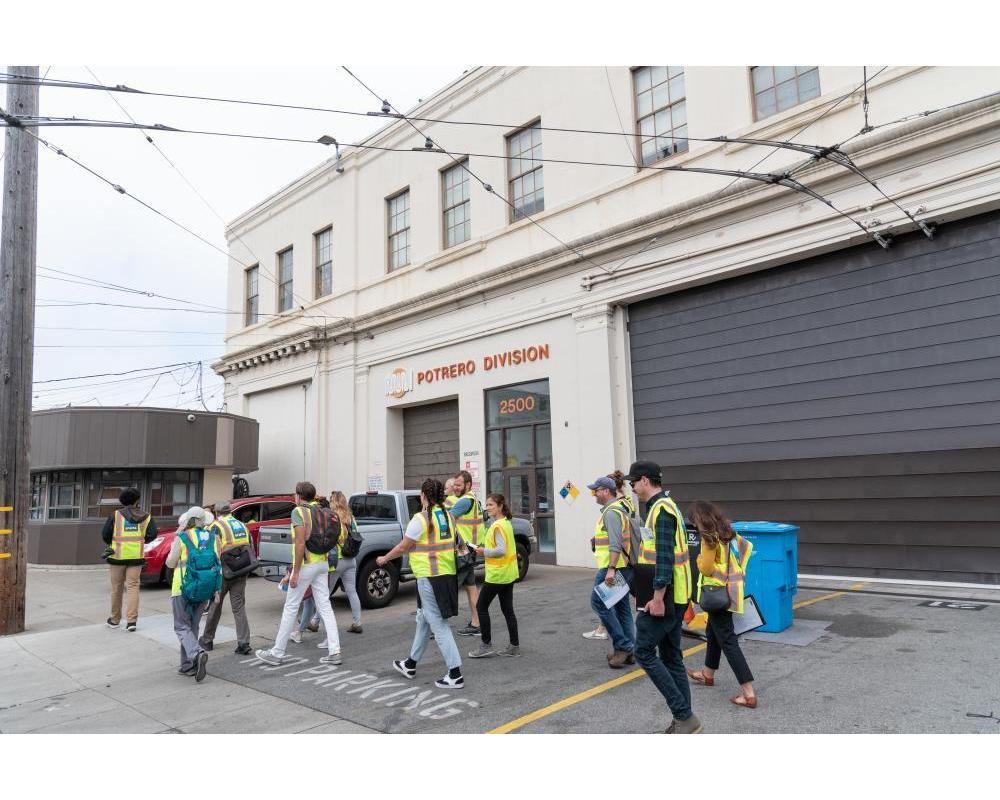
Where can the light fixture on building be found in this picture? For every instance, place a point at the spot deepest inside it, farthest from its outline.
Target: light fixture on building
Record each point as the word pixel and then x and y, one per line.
pixel 328 140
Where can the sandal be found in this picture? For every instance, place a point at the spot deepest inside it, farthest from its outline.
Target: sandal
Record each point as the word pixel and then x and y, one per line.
pixel 701 678
pixel 743 701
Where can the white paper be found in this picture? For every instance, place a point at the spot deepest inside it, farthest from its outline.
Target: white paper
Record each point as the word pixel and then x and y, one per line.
pixel 610 595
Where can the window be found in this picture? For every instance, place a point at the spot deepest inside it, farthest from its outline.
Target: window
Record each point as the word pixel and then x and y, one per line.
pixel 174 491
pixel 399 230
pixel 39 488
pixel 778 88
pixel 248 513
pixel 65 491
pixel 373 507
pixel 104 487
pixel 661 112
pixel 457 219
pixel 526 189
pixel 252 304
pixel 324 262
pixel 278 511
pixel 285 280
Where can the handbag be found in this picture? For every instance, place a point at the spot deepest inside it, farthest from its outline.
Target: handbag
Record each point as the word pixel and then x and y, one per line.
pixel 237 562
pixel 713 598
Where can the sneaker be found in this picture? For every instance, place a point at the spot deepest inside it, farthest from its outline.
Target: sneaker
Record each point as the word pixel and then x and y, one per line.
pixel 268 657
pixel 243 649
pixel 322 645
pixel 511 650
pixel 332 658
pixel 296 636
pixel 448 682
pixel 200 665
pixel 189 672
pixel 469 630
pixel 112 624
pixel 130 627
pixel 355 628
pixel 207 646
pixel 405 671
pixel 671 726
pixel 690 725
pixel 483 651
pixel 602 636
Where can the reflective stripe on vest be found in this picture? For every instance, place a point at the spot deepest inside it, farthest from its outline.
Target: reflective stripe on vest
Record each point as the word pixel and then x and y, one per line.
pixel 449 501
pixel 232 532
pixel 627 503
pixel 470 524
pixel 602 543
pixel 732 573
pixel 435 550
pixel 504 568
pixel 128 538
pixel 682 567
pixel 196 535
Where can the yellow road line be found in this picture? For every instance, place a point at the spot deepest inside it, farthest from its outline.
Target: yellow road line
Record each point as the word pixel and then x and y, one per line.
pixel 520 722
pixel 4 555
pixel 6 508
pixel 5 531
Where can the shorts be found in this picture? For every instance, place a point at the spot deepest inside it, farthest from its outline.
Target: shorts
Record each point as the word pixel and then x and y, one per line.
pixel 465 569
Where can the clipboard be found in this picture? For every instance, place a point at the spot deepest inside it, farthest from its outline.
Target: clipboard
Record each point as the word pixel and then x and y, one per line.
pixel 750 620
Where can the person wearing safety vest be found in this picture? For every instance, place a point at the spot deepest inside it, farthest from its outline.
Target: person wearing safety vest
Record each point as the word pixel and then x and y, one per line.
pixel 658 626
pixel 722 561
pixel 612 541
pixel 500 552
pixel 468 514
pixel 429 541
pixel 196 523
pixel 126 533
pixel 232 533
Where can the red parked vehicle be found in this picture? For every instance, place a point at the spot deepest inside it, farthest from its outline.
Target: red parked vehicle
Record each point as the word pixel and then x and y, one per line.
pixel 253 512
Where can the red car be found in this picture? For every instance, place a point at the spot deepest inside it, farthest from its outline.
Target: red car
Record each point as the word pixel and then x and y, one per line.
pixel 251 511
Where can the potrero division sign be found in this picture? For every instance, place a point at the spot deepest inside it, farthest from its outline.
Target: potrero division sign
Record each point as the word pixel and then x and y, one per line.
pixel 401 381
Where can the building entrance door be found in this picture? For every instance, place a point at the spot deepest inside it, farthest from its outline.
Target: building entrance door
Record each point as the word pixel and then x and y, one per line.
pixel 519 458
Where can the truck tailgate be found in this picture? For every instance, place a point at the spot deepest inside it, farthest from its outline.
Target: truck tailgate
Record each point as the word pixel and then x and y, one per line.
pixel 275 544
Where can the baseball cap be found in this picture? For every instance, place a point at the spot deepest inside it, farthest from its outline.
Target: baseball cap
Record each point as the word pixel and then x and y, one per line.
pixel 604 482
pixel 644 469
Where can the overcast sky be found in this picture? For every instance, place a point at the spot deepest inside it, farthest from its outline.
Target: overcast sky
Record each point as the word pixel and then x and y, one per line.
pixel 87 228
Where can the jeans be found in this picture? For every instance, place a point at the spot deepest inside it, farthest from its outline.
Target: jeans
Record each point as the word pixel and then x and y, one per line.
pixel 617 619
pixel 308 612
pixel 347 573
pixel 186 627
pixel 429 619
pixel 505 591
pixel 722 639
pixel 313 575
pixel 666 669
pixel 236 589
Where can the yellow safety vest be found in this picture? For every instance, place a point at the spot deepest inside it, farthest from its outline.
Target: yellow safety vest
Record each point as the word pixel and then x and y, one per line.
pixel 307 521
pixel 196 534
pixel 602 544
pixel 730 572
pixel 128 538
pixel 470 524
pixel 435 551
pixel 450 500
pixel 682 567
pixel 504 568
pixel 626 503
pixel 345 531
pixel 232 532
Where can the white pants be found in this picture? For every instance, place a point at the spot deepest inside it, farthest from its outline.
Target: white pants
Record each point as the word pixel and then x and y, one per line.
pixel 313 575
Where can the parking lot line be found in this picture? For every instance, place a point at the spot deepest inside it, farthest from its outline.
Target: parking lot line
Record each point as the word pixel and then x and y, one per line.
pixel 579 697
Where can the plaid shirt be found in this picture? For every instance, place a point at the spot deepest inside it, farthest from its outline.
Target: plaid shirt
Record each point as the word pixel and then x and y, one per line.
pixel 664 538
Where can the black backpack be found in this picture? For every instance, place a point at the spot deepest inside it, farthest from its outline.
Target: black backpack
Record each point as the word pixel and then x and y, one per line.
pixel 324 530
pixel 351 544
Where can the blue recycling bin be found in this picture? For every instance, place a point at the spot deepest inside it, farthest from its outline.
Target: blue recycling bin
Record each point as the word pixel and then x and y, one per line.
pixel 772 574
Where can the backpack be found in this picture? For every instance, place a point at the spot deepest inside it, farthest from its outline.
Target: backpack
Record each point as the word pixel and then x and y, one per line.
pixel 324 530
pixel 238 561
pixel 351 544
pixel 203 572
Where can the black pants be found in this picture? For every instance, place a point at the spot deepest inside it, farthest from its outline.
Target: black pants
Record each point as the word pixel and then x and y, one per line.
pixel 505 591
pixel 722 639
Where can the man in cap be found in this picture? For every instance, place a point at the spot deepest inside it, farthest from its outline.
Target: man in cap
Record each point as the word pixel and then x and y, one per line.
pixel 611 548
pixel 658 626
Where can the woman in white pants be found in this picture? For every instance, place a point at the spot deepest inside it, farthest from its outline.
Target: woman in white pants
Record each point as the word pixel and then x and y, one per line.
pixel 346 570
pixel 308 569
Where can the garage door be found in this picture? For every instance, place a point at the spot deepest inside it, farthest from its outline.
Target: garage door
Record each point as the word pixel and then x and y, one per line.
pixel 281 414
pixel 430 443
pixel 856 394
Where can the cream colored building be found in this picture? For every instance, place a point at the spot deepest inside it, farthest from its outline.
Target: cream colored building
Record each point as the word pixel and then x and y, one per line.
pixel 761 346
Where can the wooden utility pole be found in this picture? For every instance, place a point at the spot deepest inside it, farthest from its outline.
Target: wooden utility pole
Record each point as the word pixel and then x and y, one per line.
pixel 17 335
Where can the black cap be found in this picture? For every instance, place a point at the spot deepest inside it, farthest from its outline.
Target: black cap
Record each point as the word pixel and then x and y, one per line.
pixel 645 469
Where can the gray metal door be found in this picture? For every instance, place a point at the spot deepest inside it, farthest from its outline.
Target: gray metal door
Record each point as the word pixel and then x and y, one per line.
pixel 856 394
pixel 430 443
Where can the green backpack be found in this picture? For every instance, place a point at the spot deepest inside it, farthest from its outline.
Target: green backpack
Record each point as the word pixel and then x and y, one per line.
pixel 203 572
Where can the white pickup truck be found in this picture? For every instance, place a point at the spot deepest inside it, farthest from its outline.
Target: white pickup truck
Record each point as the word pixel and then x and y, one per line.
pixel 382 518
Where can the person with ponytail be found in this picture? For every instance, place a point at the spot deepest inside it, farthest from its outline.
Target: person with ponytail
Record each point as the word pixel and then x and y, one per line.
pixel 344 569
pixel 624 497
pixel 430 542
pixel 500 552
